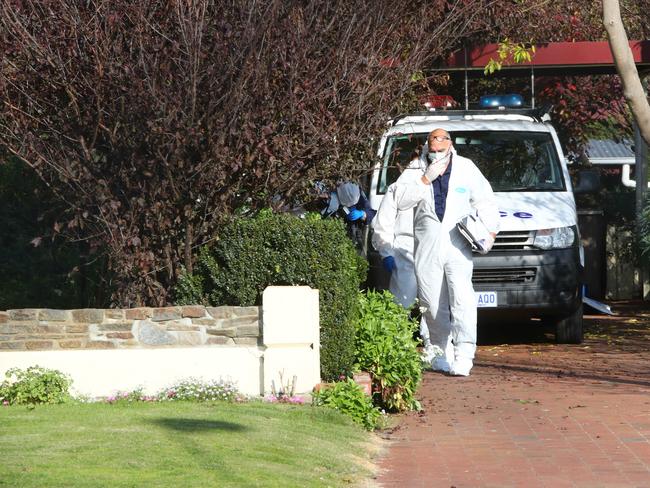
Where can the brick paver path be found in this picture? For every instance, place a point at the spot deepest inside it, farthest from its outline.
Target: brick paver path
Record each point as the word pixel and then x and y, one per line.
pixel 535 415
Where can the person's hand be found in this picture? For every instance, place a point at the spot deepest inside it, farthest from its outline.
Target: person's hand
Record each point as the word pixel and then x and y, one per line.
pixel 435 169
pixel 356 214
pixel 487 243
pixel 388 263
pixel 491 239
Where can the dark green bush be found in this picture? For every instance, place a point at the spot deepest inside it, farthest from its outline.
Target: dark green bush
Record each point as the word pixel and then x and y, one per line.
pixel 645 231
pixel 281 249
pixel 348 398
pixel 34 386
pixel 386 349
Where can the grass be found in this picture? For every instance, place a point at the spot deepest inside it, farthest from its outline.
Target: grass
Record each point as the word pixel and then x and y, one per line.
pixel 180 444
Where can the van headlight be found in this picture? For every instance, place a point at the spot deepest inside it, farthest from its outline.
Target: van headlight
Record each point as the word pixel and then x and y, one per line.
pixel 558 238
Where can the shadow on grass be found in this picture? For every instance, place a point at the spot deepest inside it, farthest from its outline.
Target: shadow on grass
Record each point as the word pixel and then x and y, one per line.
pixel 197 425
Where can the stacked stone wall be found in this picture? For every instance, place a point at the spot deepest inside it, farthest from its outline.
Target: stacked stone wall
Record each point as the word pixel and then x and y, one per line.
pixel 47 329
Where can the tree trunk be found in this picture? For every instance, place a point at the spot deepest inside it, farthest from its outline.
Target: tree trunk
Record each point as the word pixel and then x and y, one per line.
pixel 637 98
pixel 189 236
pixel 632 87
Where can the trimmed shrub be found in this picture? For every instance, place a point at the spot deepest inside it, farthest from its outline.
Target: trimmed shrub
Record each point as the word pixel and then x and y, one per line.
pixel 644 238
pixel 34 386
pixel 386 349
pixel 349 398
pixel 281 249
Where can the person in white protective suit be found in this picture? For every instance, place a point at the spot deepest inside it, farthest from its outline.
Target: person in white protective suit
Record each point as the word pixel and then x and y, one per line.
pixel 393 239
pixel 450 188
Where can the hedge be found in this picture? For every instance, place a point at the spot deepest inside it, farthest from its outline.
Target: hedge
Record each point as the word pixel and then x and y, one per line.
pixel 282 249
pixel 644 236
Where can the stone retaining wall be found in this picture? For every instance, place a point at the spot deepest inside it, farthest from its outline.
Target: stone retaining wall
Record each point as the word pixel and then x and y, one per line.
pixel 108 350
pixel 47 329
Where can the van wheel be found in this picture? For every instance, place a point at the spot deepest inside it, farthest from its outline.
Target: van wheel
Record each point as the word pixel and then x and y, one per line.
pixel 569 329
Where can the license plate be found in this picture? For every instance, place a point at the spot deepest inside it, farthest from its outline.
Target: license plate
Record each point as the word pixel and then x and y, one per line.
pixel 486 298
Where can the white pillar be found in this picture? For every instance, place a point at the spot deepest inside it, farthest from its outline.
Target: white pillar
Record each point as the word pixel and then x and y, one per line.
pixel 291 335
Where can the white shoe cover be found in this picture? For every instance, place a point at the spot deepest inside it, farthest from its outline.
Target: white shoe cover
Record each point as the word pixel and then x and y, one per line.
pixel 461 367
pixel 450 351
pixel 429 352
pixel 440 363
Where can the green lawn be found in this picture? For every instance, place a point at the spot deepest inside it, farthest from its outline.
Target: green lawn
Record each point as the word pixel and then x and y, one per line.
pixel 180 444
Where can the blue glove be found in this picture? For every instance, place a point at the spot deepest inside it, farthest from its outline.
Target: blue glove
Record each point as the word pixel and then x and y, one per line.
pixel 356 214
pixel 389 263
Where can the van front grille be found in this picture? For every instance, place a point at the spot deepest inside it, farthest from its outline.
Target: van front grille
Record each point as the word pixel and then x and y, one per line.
pixel 511 240
pixel 483 276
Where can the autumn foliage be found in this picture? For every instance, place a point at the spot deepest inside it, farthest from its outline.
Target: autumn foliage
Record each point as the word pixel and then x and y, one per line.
pixel 156 120
pixel 153 121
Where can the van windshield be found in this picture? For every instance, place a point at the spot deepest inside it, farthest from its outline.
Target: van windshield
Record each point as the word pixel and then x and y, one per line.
pixel 511 161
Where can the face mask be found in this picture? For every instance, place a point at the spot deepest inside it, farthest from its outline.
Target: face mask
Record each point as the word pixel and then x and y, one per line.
pixel 437 156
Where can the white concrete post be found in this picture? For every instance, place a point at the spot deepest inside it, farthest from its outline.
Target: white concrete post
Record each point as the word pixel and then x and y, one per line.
pixel 291 335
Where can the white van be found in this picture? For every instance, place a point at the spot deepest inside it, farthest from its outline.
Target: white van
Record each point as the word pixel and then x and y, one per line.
pixel 534 269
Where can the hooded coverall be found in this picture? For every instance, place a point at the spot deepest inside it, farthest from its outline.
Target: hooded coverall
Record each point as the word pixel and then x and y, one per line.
pixel 443 257
pixel 393 236
pixel 350 196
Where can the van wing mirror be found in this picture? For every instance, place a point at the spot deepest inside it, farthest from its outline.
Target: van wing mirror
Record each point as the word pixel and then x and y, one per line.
pixel 588 181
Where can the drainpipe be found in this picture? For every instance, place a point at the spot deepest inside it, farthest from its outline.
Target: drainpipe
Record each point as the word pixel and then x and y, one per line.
pixel 625 177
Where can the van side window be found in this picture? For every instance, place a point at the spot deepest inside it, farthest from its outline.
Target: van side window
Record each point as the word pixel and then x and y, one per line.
pixel 399 151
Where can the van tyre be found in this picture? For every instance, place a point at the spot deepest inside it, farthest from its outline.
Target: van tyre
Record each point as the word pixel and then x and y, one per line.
pixel 569 329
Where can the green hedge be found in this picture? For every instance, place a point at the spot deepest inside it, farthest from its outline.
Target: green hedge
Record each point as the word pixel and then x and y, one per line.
pixel 281 249
pixel 644 238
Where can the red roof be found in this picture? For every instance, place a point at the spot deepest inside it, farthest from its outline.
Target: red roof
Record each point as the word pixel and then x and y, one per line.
pixel 593 56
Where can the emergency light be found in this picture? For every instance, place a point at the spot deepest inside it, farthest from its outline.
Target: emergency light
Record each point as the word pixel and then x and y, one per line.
pixel 433 102
pixel 510 100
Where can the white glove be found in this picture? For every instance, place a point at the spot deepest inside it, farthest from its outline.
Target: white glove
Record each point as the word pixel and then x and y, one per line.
pixel 436 168
pixel 486 244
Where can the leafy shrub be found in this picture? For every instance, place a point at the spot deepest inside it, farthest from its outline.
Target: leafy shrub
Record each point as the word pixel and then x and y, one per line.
pixel 644 238
pixel 386 349
pixel 349 398
pixel 33 386
pixel 281 249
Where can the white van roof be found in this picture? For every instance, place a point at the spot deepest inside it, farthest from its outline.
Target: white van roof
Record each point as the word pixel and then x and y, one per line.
pixel 424 123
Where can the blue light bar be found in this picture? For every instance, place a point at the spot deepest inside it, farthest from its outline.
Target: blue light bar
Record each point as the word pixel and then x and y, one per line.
pixel 510 100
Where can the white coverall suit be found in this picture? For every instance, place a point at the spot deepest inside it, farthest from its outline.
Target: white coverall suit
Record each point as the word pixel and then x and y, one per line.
pixel 443 257
pixel 393 236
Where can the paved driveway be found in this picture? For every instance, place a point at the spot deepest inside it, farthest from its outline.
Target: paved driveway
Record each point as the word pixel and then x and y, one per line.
pixel 535 414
